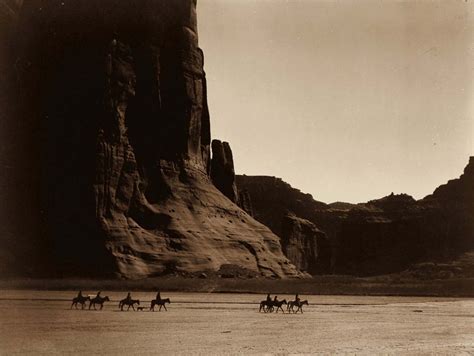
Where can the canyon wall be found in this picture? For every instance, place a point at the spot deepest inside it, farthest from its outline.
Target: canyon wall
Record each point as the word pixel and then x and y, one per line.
pixel 381 236
pixel 112 101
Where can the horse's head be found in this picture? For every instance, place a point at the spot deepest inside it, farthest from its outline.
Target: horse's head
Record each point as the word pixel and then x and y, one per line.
pixel 284 301
pixel 304 302
pixel 167 300
pixel 87 298
pixel 138 302
pixel 106 299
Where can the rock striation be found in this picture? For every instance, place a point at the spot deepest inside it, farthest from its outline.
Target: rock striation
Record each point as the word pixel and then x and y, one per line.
pixel 381 236
pixel 117 113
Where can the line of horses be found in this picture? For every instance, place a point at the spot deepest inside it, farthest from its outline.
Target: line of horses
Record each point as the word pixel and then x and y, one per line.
pixel 269 306
pixel 126 302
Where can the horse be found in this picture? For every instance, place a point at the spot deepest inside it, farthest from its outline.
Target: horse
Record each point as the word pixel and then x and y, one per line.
pixel 80 300
pixel 129 302
pixel 278 304
pixel 98 300
pixel 265 305
pixel 299 304
pixel 160 302
pixel 268 305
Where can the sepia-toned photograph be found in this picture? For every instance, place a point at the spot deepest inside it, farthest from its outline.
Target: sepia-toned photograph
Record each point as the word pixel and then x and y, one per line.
pixel 236 177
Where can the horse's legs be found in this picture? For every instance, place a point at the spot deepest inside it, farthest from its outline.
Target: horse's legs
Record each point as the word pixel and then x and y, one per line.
pixel 165 307
pixel 133 307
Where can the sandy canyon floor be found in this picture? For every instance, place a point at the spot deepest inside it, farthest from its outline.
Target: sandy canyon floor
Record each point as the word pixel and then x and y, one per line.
pixel 40 322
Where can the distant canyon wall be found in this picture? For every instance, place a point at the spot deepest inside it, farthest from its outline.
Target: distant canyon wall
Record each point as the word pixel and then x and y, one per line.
pixel 381 236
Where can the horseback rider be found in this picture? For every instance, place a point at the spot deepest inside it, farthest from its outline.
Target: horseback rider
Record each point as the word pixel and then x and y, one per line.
pixel 79 295
pixel 98 294
pixel 129 297
pixel 158 296
pixel 269 299
pixel 297 299
pixel 275 300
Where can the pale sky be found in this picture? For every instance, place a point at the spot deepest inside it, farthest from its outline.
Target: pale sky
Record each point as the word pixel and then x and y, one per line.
pixel 346 100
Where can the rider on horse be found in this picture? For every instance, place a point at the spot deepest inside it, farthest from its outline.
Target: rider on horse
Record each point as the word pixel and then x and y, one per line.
pixel 158 296
pixel 269 299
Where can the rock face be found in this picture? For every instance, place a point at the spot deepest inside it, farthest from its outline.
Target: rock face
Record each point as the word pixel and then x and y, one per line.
pixel 306 246
pixel 222 169
pixel 272 199
pixel 288 213
pixel 380 236
pixel 117 101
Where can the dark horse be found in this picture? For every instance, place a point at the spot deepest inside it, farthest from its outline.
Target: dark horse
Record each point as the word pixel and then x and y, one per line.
pixel 265 305
pixel 129 302
pixel 278 305
pixel 79 300
pixel 269 305
pixel 298 304
pixel 160 302
pixel 98 300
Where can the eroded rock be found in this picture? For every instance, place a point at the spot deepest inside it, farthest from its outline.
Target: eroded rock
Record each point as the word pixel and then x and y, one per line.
pixel 118 92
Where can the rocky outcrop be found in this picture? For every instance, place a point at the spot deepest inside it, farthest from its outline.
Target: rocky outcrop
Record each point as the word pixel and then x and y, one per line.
pixel 381 236
pixel 287 211
pixel 272 199
pixel 306 246
pixel 117 113
pixel 245 202
pixel 222 169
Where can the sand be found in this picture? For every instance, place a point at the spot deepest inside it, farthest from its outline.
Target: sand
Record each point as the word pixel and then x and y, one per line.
pixel 40 322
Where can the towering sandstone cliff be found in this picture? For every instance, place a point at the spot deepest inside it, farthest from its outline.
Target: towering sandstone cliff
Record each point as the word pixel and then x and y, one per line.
pixel 115 95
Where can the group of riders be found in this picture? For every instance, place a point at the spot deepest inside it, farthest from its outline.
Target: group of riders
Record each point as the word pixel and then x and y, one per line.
pixel 97 300
pixel 127 301
pixel 269 305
